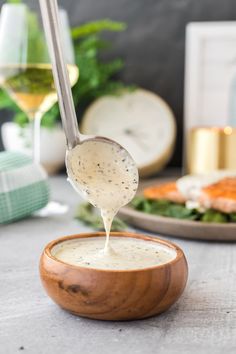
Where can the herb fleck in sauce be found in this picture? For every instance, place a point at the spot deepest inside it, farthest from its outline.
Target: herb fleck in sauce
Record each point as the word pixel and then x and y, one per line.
pixel 130 253
pixel 105 175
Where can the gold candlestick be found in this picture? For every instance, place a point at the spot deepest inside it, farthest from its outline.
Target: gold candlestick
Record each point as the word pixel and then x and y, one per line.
pixel 211 148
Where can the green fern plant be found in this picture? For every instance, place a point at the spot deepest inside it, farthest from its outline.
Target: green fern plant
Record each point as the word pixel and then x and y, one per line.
pixel 96 77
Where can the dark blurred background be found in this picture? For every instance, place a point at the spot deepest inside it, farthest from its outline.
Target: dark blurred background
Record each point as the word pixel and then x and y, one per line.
pixel 153 44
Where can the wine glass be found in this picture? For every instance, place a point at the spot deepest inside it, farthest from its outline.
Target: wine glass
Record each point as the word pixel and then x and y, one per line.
pixel 25 69
pixel 25 66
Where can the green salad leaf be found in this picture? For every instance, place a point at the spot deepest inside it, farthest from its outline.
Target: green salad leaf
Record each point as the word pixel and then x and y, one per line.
pixel 232 217
pixel 214 216
pixel 179 211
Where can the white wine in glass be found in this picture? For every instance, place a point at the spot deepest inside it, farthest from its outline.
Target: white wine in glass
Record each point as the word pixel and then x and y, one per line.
pixel 25 68
pixel 31 86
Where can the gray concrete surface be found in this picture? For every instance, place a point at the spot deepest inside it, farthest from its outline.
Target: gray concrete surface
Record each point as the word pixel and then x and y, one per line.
pixel 203 321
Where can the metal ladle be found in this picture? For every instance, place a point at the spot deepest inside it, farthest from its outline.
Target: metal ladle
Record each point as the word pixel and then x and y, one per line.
pixel 75 140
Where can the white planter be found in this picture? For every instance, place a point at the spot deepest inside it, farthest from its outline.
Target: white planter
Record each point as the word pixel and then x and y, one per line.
pixel 52 144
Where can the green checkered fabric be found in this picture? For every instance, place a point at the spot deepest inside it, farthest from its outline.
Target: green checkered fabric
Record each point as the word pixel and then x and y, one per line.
pixel 23 187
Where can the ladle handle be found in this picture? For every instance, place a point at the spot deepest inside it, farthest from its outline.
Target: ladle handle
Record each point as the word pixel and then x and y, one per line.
pixel 50 18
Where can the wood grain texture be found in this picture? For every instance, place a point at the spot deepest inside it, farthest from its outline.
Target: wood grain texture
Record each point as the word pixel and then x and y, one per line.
pixel 114 295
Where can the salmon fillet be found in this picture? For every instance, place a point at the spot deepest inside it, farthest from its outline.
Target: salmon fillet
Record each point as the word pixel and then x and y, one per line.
pixel 220 195
pixel 167 191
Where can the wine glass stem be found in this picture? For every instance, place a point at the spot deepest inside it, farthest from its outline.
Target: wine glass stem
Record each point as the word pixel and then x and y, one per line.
pixel 36 137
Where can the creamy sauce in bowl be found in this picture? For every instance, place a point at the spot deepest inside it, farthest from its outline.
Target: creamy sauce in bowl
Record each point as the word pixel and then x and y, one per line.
pixel 127 253
pixel 105 175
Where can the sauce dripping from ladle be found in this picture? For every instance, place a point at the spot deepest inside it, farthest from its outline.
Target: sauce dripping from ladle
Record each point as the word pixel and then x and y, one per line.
pixel 100 169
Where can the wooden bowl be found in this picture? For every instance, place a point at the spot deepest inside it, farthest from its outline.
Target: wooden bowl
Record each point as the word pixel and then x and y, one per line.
pixel 114 294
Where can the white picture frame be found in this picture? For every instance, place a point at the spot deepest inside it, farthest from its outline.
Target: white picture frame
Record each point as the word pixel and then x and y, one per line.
pixel 210 67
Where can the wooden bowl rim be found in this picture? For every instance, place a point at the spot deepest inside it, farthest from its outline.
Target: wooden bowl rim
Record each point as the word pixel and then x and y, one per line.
pixel 178 250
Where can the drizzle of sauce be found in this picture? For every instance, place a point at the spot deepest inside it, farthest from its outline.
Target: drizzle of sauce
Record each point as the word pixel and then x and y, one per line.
pixel 105 175
pixel 131 253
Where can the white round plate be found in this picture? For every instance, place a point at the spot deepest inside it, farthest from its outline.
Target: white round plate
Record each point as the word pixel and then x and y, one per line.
pixel 177 228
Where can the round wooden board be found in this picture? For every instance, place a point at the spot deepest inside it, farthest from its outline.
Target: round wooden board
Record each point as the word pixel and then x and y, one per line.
pixel 176 227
